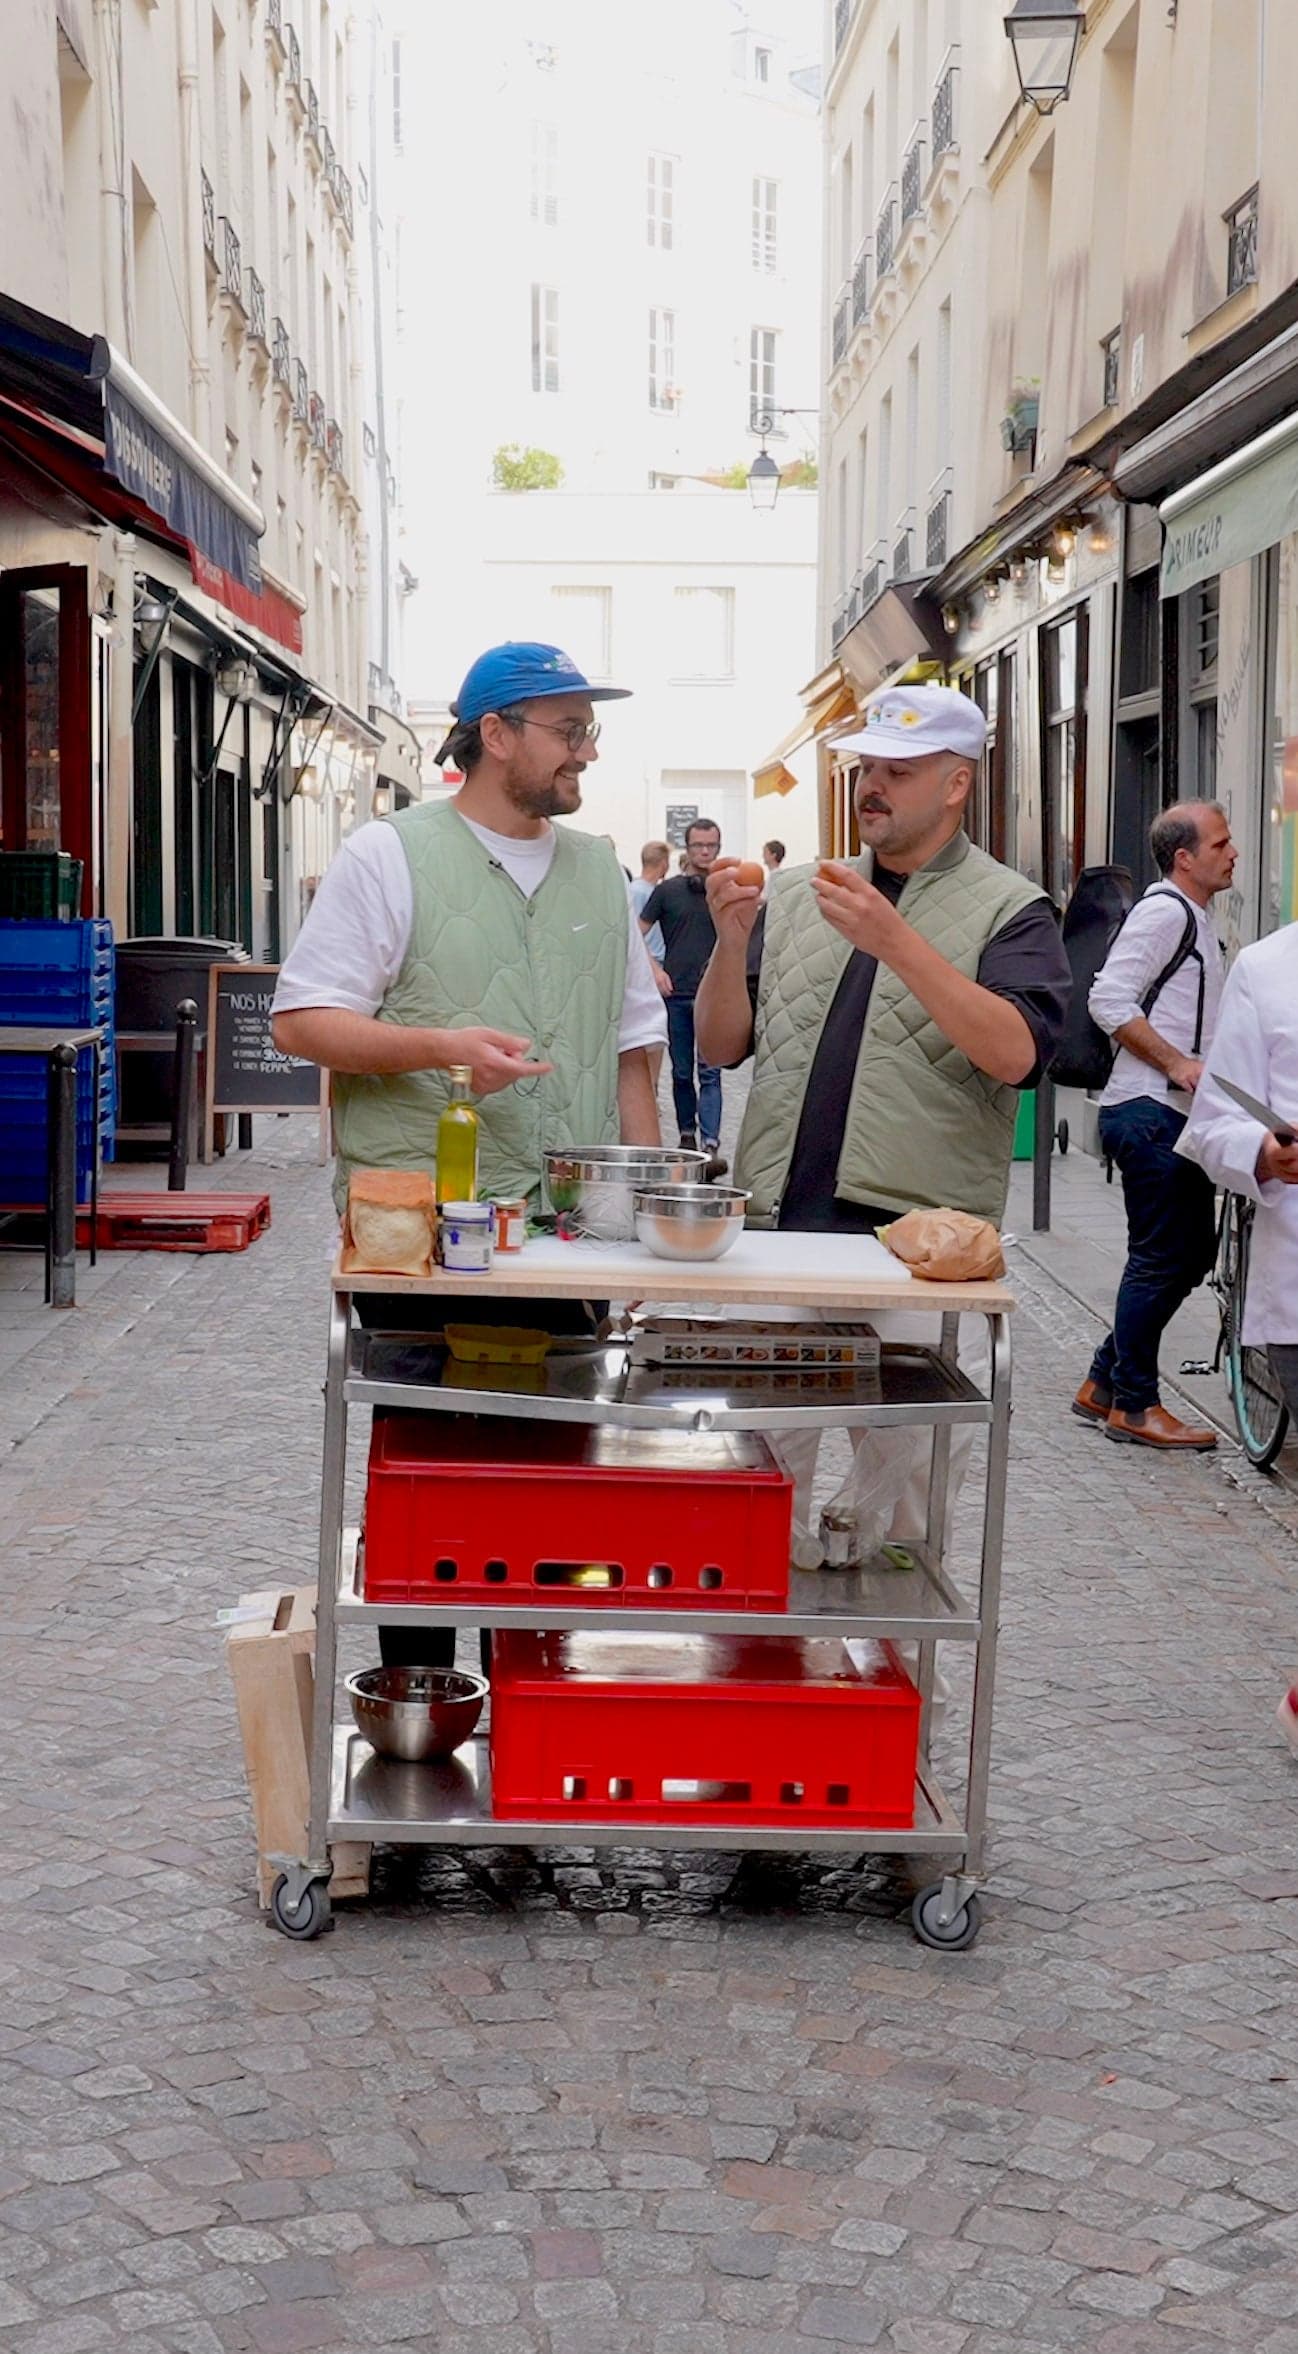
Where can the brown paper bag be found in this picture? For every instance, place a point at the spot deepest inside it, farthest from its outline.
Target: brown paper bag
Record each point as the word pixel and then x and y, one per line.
pixel 390 1225
pixel 946 1246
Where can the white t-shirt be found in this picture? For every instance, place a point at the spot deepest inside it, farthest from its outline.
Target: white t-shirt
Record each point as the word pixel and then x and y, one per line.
pixel 1148 939
pixel 354 940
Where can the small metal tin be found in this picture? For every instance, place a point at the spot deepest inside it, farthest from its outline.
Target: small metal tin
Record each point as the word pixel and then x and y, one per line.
pixel 839 1536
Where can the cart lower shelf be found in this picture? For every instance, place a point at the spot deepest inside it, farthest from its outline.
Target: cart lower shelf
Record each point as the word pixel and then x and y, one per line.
pixel 449 1805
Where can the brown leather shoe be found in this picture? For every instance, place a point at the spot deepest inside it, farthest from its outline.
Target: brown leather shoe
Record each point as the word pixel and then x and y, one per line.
pixel 1093 1403
pixel 1153 1426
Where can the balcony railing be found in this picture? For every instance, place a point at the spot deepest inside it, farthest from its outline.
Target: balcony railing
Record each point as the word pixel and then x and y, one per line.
pixel 840 624
pixel 861 284
pixel 334 444
pixel 275 20
pixel 294 48
pixel 281 355
pixel 842 315
pixel 842 19
pixel 256 308
pixel 1111 348
pixel 903 552
pixel 319 424
pixel 1241 251
pixel 912 176
pixel 328 156
pixel 341 188
pixel 301 394
pixel 885 238
pixel 871 583
pixel 944 108
pixel 231 262
pixel 936 525
pixel 208 194
pixel 312 98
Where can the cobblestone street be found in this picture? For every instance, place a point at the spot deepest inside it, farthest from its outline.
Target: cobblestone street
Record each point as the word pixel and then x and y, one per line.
pixel 549 2104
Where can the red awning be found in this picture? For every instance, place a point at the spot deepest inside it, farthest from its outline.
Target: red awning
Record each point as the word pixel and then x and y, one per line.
pixel 74 461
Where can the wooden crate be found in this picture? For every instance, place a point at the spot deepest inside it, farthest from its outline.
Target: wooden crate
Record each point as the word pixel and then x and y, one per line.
pixel 271 1651
pixel 157 1221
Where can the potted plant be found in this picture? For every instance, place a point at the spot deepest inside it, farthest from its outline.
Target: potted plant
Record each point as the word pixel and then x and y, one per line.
pixel 1019 423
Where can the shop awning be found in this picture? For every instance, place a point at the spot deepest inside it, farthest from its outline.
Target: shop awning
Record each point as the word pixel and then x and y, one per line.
pixel 79 381
pixel 827 699
pixel 1232 512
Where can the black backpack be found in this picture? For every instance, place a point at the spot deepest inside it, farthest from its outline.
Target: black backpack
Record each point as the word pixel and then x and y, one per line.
pixel 1101 902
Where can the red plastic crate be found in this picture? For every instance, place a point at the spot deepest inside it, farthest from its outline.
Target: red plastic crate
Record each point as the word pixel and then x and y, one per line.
pixel 468 1509
pixel 664 1728
pixel 177 1221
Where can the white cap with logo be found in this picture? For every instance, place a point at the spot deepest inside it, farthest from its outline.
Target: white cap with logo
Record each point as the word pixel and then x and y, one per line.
pixel 907 723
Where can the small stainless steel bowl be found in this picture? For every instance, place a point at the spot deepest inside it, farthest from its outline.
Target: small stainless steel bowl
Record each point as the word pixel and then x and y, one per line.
pixel 416 1713
pixel 690 1221
pixel 593 1186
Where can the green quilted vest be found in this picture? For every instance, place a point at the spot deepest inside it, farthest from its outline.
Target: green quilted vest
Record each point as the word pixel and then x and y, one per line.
pixel 551 968
pixel 925 1129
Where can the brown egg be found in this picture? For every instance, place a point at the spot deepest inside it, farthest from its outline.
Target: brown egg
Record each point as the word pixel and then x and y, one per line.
pixel 749 875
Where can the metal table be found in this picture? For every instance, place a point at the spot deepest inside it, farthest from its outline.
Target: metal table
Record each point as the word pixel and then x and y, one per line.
pixel 359 1796
pixel 60 1048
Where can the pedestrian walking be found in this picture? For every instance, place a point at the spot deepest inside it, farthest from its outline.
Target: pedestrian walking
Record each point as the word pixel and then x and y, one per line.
pixel 474 931
pixel 894 1005
pixel 1156 996
pixel 679 905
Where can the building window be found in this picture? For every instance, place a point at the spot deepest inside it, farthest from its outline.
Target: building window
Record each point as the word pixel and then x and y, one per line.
pixel 1203 630
pixel 703 633
pixel 396 94
pixel 762 343
pixel 765 199
pixel 545 339
pixel 662 359
pixel 761 65
pixel 658 481
pixel 987 817
pixel 660 196
pixel 544 199
pixel 583 626
pixel 1063 731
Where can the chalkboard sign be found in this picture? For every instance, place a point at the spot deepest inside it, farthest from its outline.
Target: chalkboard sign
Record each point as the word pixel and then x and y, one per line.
pixel 245 1070
pixel 680 816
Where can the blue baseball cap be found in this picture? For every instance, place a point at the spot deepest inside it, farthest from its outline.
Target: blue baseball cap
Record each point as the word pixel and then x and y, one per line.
pixel 519 672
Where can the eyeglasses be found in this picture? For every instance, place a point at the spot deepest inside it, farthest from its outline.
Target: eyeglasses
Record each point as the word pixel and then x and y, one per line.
pixel 575 732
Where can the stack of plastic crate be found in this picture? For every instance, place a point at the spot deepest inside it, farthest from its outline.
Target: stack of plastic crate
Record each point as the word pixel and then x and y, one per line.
pixel 54 975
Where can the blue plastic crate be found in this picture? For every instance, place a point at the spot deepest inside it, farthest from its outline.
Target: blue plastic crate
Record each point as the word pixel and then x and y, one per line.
pixel 24 1178
pixel 83 946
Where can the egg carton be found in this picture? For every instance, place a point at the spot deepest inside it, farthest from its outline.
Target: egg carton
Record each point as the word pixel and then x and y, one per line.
pixel 702 1340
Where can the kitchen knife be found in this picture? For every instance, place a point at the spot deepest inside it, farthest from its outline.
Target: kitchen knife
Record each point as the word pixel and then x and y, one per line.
pixel 1282 1130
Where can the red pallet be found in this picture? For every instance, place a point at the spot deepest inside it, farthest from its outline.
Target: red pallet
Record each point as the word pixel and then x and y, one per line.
pixel 675 1728
pixel 461 1509
pixel 176 1221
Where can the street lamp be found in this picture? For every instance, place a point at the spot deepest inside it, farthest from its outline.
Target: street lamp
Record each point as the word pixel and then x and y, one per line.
pixel 764 473
pixel 1044 36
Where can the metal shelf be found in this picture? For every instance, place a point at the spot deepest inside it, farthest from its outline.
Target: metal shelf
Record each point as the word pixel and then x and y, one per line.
pixel 374 1798
pixel 877 1601
pixel 914 1385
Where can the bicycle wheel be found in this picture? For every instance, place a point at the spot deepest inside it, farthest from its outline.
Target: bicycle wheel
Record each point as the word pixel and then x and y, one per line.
pixel 1260 1408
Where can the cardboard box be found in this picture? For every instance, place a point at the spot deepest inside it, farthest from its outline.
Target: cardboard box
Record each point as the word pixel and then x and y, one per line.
pixel 271 1651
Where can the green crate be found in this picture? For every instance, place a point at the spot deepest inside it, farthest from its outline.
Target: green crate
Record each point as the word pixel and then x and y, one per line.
pixel 45 884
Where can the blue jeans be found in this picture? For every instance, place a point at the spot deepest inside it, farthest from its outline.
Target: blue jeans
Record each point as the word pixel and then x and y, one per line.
pixel 1171 1239
pixel 698 1114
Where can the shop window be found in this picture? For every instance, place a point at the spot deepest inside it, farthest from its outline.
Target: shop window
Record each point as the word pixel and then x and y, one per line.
pixel 1063 653
pixel 45 714
pixel 1201 632
pixel 987 814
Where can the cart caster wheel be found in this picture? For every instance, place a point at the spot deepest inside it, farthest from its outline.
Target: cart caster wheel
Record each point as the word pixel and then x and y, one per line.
pixel 949 1937
pixel 1061 1136
pixel 308 1916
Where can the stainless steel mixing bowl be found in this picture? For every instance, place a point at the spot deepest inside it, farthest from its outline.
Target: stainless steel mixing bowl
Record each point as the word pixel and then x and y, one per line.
pixel 593 1186
pixel 416 1713
pixel 690 1221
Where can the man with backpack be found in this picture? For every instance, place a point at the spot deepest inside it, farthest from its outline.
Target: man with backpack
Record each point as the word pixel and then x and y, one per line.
pixel 1156 997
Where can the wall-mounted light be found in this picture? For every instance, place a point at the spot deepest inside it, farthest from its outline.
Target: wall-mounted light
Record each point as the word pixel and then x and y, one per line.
pixel 150 610
pixel 992 588
pixel 951 619
pixel 1018 572
pixel 236 679
pixel 1044 36
pixel 1099 538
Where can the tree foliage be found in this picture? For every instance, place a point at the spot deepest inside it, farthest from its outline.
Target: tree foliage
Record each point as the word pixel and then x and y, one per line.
pixel 516 468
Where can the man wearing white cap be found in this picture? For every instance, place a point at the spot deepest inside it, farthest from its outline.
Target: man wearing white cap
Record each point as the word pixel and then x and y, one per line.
pixel 896 1003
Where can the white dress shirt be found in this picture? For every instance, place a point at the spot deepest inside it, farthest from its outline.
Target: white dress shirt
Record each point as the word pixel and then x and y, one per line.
pixel 354 940
pixel 1148 940
pixel 1257 1046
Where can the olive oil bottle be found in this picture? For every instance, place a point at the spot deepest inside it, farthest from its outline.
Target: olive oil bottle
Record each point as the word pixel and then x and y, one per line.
pixel 457 1143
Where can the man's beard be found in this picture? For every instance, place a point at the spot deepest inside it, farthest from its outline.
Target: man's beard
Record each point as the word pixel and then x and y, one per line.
pixel 556 798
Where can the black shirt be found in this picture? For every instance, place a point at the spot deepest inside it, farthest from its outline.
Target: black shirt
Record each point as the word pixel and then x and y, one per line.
pixel 1023 962
pixel 680 905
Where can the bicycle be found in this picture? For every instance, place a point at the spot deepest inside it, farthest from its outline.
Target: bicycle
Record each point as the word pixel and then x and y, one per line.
pixel 1257 1401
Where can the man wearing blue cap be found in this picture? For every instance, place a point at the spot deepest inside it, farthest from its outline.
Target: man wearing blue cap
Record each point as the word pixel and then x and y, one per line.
pixel 474 931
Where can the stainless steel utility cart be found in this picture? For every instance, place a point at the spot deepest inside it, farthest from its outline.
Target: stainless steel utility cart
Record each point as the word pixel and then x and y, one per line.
pixel 358 1796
